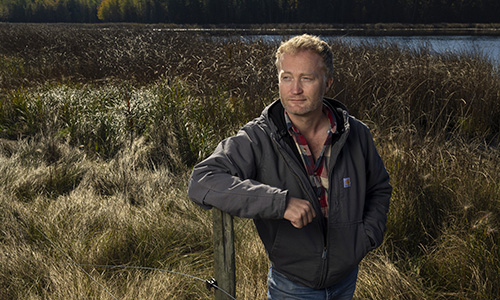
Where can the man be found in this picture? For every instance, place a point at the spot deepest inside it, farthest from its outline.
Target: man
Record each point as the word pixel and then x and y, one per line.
pixel 309 176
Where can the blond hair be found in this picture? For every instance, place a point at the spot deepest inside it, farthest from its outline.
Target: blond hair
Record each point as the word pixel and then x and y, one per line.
pixel 307 42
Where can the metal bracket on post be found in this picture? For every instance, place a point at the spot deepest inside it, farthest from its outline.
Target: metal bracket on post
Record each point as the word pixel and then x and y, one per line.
pixel 224 262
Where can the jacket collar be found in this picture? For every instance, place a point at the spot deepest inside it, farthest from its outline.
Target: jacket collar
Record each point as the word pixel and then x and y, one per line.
pixel 276 115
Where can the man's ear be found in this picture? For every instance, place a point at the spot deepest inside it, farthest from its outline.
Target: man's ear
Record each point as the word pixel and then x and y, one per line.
pixel 329 83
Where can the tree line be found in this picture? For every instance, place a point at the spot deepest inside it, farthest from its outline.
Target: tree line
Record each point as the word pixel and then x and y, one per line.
pixel 251 11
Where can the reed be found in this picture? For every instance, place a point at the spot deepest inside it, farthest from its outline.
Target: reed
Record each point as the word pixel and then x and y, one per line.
pixel 101 125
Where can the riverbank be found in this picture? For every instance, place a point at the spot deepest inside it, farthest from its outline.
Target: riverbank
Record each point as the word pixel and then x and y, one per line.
pixel 379 29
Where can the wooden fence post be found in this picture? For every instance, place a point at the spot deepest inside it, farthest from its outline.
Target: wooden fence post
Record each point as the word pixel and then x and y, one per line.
pixel 224 262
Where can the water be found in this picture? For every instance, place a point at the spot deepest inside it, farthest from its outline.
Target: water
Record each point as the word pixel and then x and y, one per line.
pixel 488 46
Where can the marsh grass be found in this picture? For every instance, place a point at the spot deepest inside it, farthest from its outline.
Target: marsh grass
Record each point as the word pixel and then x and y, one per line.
pixel 100 126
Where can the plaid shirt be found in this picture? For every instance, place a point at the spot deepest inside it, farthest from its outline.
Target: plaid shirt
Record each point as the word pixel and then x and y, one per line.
pixel 317 170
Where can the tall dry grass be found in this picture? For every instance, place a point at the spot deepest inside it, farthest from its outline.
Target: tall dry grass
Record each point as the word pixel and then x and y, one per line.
pixel 100 126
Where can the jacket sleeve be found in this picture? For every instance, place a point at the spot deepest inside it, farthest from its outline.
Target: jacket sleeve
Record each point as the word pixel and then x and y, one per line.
pixel 378 192
pixel 224 180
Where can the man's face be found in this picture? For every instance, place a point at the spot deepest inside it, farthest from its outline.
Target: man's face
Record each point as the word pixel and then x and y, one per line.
pixel 302 83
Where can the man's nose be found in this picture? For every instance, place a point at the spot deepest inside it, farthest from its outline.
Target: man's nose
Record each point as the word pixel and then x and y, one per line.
pixel 296 87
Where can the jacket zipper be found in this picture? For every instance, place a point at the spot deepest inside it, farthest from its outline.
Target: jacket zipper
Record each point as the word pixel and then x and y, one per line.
pixel 324 254
pixel 332 202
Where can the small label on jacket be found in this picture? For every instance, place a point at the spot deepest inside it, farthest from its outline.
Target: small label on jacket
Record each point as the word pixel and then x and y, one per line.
pixel 347 182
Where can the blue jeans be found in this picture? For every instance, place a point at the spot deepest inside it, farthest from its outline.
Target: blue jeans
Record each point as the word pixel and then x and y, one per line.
pixel 281 288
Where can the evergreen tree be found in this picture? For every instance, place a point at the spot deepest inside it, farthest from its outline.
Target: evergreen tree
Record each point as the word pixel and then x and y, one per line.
pixel 251 11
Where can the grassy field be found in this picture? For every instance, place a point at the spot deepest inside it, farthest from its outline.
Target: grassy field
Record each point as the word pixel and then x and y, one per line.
pixel 100 126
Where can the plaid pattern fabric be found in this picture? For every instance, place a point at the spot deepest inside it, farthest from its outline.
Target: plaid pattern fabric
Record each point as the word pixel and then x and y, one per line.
pixel 317 170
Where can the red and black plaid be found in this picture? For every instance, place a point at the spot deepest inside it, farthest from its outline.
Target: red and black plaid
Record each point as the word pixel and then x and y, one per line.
pixel 318 170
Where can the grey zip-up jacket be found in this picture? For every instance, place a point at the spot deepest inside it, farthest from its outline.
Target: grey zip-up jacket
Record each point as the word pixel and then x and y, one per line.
pixel 253 173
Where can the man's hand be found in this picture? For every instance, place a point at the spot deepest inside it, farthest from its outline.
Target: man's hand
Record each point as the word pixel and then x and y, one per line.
pixel 299 212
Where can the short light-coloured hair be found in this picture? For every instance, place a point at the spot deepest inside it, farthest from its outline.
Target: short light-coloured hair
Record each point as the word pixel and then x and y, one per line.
pixel 307 42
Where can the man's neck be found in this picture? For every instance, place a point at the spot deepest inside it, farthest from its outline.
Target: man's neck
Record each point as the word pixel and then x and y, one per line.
pixel 311 124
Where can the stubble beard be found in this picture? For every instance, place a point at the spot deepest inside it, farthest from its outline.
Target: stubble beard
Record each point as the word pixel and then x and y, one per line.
pixel 302 111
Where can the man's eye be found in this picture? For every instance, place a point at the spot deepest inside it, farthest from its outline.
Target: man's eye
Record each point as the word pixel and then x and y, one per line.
pixel 286 78
pixel 307 78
